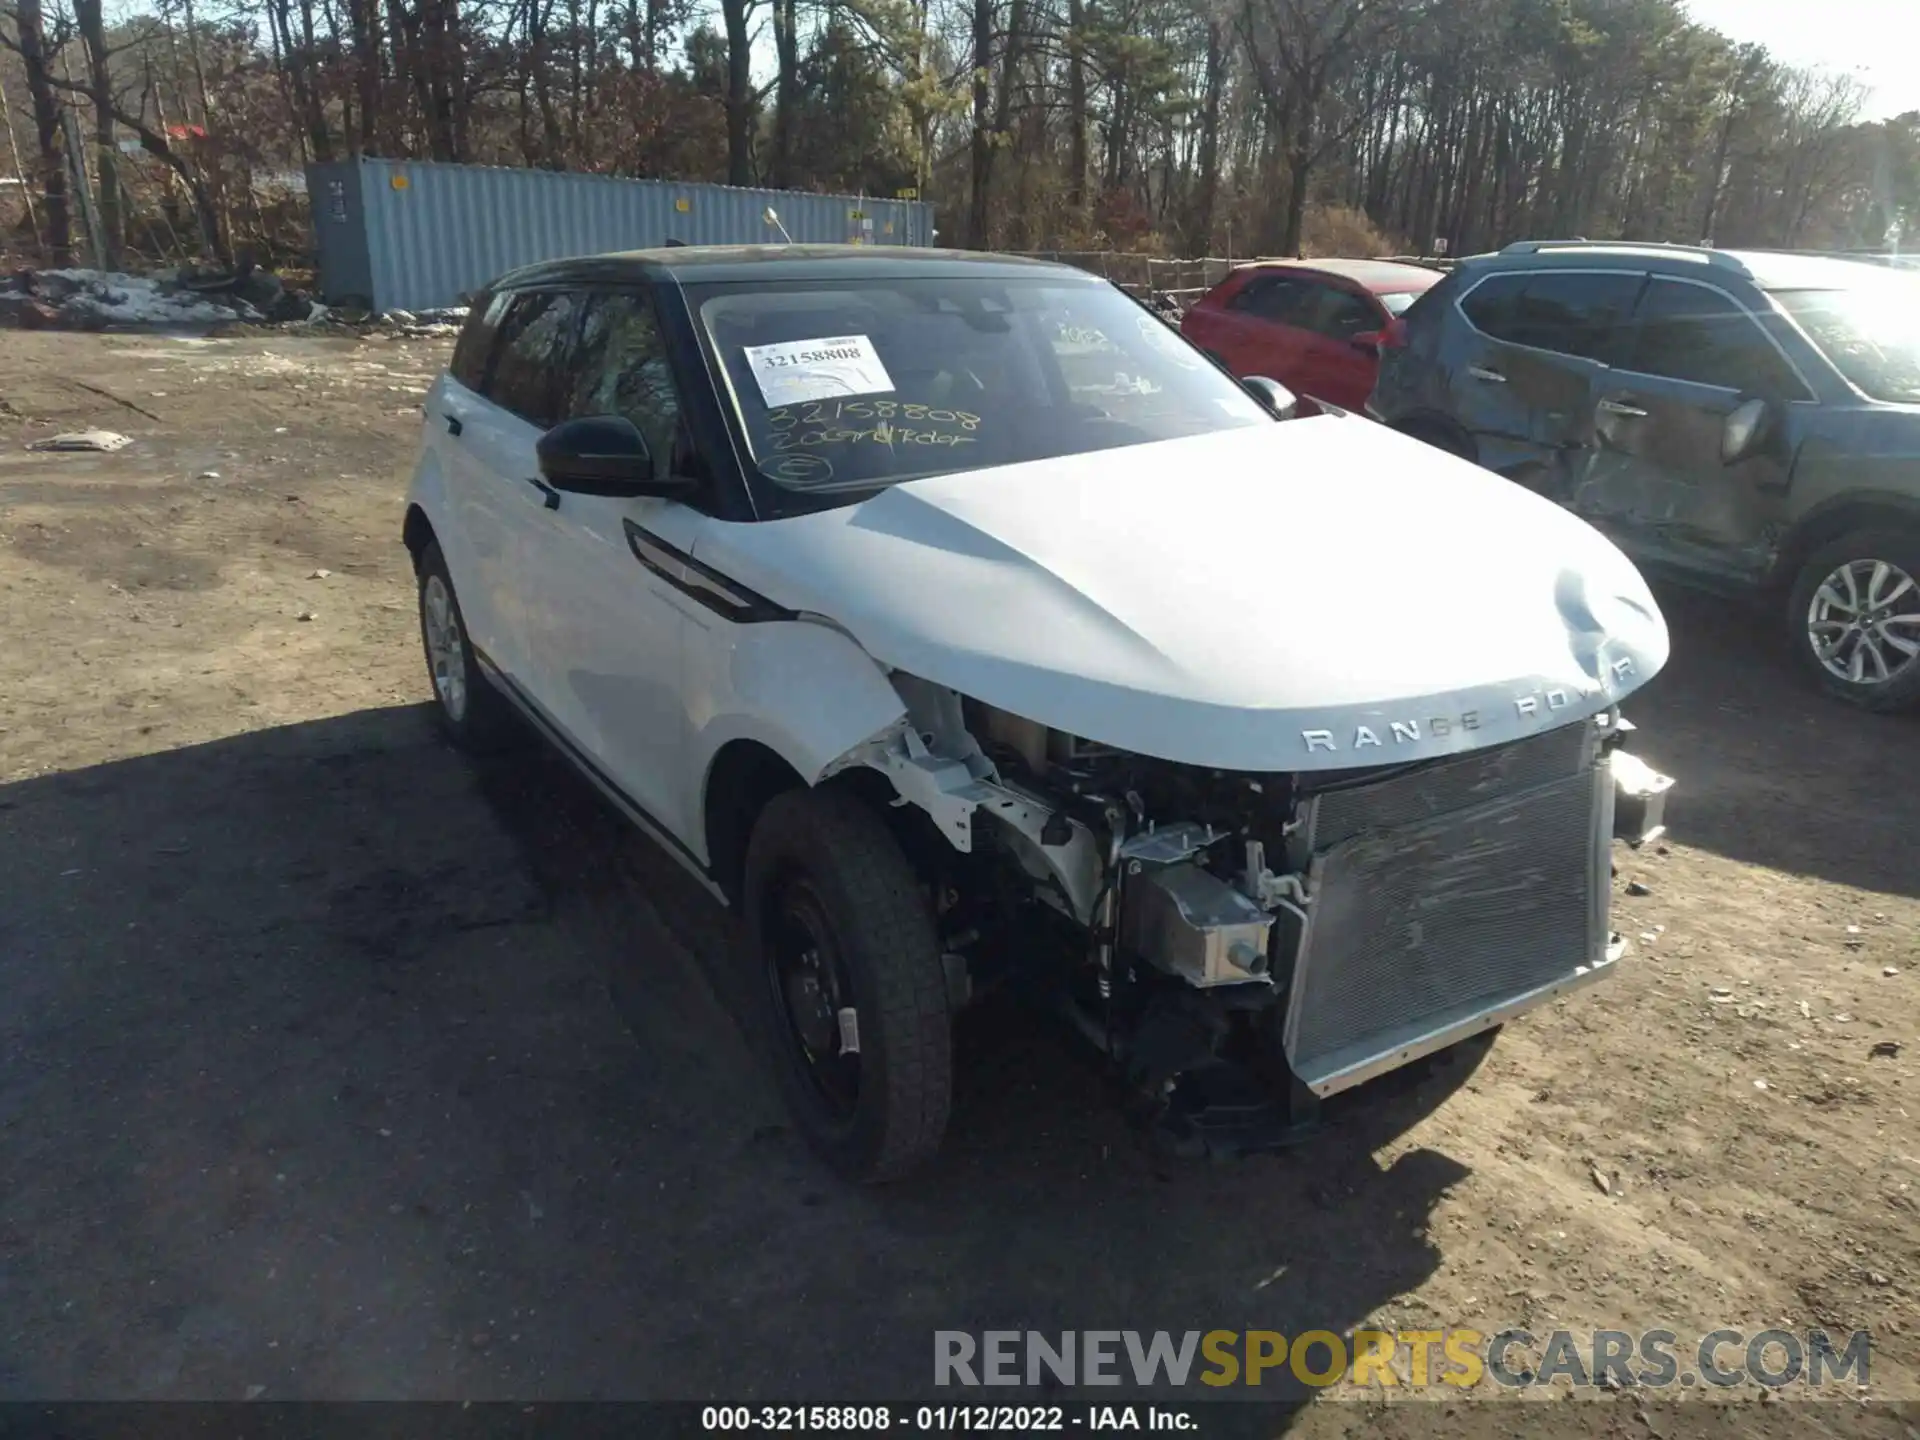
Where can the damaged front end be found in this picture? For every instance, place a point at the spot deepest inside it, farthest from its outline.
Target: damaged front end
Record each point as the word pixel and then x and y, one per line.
pixel 1245 945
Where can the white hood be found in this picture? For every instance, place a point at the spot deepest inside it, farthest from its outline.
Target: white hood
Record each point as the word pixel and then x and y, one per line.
pixel 1319 594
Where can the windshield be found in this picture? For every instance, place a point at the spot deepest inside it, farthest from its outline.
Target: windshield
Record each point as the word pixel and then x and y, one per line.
pixel 1871 333
pixel 849 385
pixel 1400 301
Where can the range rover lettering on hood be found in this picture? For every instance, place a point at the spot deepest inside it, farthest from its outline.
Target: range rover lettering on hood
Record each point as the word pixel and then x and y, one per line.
pixel 1308 595
pixel 1555 706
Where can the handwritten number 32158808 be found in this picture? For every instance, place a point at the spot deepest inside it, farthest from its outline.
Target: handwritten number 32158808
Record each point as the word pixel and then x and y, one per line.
pixel 824 412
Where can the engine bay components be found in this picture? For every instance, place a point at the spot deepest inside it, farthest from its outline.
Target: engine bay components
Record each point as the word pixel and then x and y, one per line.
pixel 1186 922
pixel 1325 927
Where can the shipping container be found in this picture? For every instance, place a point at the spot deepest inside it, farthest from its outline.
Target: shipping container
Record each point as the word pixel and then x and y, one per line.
pixel 410 235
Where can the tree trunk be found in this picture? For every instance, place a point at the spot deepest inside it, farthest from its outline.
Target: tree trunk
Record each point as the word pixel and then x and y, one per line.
pixel 93 36
pixel 363 24
pixel 1206 196
pixel 1076 108
pixel 46 130
pixel 13 153
pixel 1299 173
pixel 739 92
pixel 440 53
pixel 786 95
pixel 982 177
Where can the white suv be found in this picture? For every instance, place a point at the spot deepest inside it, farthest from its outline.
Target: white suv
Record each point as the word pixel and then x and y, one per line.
pixel 957 621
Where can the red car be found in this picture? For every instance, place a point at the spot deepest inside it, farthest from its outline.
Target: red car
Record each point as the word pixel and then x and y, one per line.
pixel 1316 326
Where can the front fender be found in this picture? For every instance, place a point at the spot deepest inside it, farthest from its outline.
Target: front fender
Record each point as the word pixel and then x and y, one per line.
pixel 803 688
pixel 429 493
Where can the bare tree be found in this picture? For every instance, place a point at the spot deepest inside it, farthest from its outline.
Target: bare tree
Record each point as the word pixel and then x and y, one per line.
pixel 30 44
pixel 93 37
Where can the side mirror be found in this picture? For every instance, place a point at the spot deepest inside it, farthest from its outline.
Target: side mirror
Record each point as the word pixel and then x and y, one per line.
pixel 601 455
pixel 1747 430
pixel 1370 342
pixel 1277 399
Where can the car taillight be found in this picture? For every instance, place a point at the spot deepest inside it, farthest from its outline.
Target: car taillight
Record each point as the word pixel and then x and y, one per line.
pixel 1394 337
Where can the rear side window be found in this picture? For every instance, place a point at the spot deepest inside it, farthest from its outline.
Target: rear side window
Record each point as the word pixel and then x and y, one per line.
pixel 532 356
pixel 1688 332
pixel 1493 305
pixel 1574 313
pixel 475 346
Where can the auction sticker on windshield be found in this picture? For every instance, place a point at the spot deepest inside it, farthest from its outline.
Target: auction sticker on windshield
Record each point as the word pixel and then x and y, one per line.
pixel 796 371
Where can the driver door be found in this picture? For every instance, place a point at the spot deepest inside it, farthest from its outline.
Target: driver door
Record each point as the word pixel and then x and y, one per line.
pixel 606 632
pixel 1656 481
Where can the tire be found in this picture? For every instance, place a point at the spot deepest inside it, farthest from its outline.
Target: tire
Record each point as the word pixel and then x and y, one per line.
pixel 472 714
pixel 1815 609
pixel 1438 436
pixel 825 878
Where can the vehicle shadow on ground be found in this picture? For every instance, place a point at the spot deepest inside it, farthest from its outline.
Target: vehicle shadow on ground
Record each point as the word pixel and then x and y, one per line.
pixel 1771 771
pixel 1045 1210
pixel 335 1065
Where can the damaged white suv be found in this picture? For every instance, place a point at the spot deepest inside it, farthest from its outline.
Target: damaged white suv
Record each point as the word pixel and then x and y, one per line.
pixel 956 621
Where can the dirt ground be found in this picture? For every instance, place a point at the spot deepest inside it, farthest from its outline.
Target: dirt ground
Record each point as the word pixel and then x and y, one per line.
pixel 332 1065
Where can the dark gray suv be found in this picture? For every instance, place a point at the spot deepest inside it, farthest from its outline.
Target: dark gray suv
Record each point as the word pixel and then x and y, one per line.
pixel 1740 421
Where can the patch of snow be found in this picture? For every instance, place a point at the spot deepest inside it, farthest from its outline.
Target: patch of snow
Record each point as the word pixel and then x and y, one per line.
pixel 139 300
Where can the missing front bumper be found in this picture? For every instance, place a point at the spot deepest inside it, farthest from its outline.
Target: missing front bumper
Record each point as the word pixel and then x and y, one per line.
pixel 1452 898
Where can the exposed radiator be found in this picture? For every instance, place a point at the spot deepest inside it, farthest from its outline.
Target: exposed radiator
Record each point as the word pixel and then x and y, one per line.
pixel 1445 897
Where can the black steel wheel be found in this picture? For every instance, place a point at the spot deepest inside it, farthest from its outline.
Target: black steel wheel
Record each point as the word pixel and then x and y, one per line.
pixel 814 993
pixel 856 1002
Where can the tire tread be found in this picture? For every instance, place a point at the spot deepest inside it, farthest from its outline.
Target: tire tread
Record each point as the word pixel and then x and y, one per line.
pixel 866 874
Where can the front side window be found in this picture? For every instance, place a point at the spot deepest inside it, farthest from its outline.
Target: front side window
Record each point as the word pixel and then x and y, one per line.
pixel 623 370
pixel 1338 314
pixel 1275 299
pixel 1871 333
pixel 1689 332
pixel 842 386
pixel 532 355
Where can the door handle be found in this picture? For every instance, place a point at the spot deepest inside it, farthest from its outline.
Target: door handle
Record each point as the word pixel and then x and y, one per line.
pixel 551 496
pixel 453 424
pixel 1480 372
pixel 1616 407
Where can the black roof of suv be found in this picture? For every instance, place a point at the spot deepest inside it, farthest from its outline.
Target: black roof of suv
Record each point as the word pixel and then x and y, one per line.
pixel 1742 420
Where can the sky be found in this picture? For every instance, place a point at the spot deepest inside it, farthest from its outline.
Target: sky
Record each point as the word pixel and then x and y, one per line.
pixel 1876 40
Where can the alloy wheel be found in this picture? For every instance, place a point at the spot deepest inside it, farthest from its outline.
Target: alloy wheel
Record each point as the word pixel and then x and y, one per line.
pixel 1864 622
pixel 446 651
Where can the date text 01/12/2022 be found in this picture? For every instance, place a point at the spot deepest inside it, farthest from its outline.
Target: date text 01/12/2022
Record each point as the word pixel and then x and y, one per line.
pixel 945 1419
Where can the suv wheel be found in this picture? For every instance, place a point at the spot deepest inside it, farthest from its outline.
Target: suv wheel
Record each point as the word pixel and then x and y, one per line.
pixel 1854 618
pixel 471 712
pixel 855 990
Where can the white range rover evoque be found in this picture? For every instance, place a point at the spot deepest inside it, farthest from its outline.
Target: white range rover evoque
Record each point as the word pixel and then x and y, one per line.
pixel 959 623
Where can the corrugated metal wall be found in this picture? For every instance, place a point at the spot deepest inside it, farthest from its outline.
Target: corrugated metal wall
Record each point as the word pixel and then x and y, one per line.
pixel 411 235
